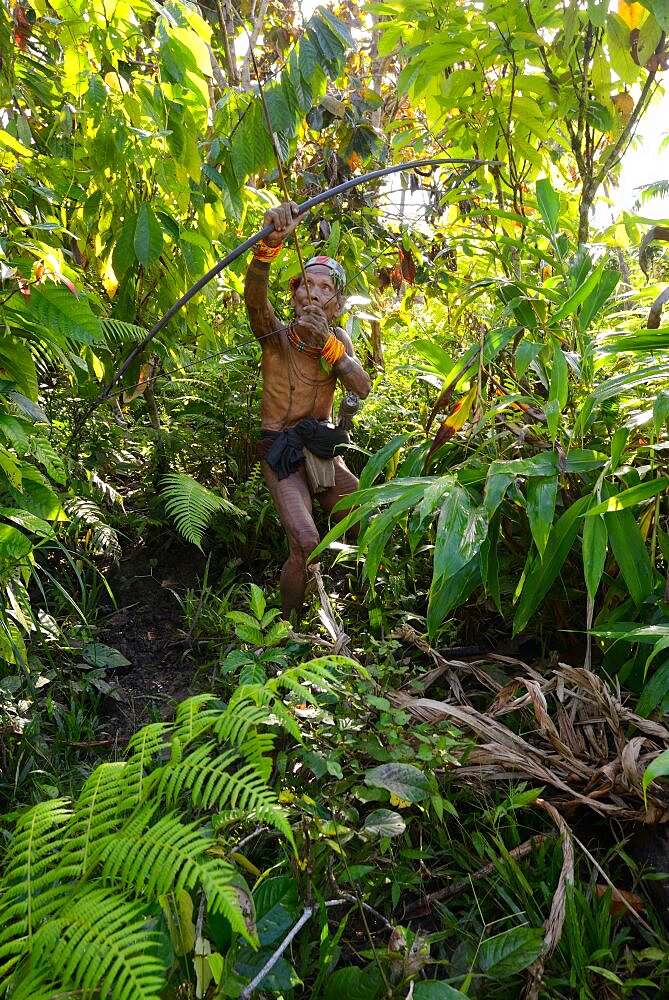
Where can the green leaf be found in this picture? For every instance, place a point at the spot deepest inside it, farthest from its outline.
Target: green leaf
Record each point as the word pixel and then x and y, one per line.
pixel 354 983
pixel 403 780
pixel 526 352
pixel 543 572
pixel 461 529
pixel 123 254
pixel 595 543
pixel 27 407
pixel 606 285
pixel 655 692
pixel 56 307
pixel 276 908
pixel 100 655
pixel 379 460
pixel 541 496
pixel 661 410
pixel 13 543
pixel 252 673
pixel 510 952
pixel 257 601
pixel 384 823
pixel 633 495
pixel 436 991
pixel 44 453
pixel 658 768
pixel 148 240
pixel 631 554
pixel 437 356
pixel 549 204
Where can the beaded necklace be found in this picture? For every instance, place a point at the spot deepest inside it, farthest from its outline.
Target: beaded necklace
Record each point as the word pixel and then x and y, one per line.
pixel 300 345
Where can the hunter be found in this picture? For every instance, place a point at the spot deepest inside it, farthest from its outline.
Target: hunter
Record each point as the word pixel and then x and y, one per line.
pixel 301 364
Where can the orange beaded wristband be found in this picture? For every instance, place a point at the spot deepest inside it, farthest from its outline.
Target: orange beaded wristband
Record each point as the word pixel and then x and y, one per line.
pixel 264 253
pixel 333 350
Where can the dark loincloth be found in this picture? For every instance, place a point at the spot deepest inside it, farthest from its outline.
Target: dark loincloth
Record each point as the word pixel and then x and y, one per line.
pixel 284 450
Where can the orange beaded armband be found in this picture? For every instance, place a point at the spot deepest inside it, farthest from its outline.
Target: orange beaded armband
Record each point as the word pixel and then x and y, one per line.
pixel 264 253
pixel 333 350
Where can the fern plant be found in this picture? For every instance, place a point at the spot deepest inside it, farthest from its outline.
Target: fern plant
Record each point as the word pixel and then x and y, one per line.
pixel 84 880
pixel 192 505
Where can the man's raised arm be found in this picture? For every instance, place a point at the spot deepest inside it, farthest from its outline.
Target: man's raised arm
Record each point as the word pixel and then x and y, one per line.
pixel 261 314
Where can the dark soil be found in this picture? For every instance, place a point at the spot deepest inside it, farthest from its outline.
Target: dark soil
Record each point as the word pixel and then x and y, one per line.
pixel 147 627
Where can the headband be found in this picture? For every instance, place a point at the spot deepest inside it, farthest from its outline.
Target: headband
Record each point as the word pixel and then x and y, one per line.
pixel 334 267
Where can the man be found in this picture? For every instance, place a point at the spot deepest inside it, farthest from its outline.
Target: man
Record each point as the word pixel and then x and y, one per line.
pixel 301 363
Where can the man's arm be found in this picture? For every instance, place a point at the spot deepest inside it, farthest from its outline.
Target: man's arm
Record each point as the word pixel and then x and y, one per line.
pixel 261 314
pixel 349 371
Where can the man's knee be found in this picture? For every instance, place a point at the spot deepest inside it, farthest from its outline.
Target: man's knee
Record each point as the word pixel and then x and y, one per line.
pixel 303 543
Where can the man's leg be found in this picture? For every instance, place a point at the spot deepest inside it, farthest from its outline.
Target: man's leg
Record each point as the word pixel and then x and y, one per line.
pixel 293 503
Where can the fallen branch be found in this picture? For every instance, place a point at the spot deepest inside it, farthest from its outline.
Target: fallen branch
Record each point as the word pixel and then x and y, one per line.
pixel 307 913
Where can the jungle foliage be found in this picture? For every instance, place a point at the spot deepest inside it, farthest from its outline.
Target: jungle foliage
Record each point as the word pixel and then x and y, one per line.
pixel 313 810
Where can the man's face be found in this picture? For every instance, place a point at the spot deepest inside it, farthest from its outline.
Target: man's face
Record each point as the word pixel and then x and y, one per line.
pixel 322 290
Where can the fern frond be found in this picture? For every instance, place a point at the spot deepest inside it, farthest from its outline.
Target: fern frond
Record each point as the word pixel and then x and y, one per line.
pixel 151 858
pixel 206 775
pixel 103 538
pixel 34 882
pixel 32 986
pixel 117 332
pixel 115 931
pixel 106 798
pixel 192 505
pixel 240 718
pixel 191 720
pixel 647 192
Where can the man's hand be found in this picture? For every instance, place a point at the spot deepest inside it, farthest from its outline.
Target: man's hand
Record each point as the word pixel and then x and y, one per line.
pixel 312 324
pixel 285 219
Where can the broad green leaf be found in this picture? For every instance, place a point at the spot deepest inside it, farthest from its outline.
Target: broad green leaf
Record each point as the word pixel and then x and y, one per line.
pixel 526 352
pixel 257 601
pixel 541 496
pixel 549 204
pixel 44 453
pixel 461 528
pixel 100 655
pixel 28 407
pixel 379 460
pixel 449 592
pixel 655 692
pixel 384 823
pixel 13 543
pixel 436 355
pixel 354 983
pixel 606 285
pixel 542 573
pixel 660 8
pixel 148 239
pixel 123 254
pixel 630 497
pixel 510 952
pixel 630 553
pixel 18 365
pixel 434 990
pixel 276 908
pixel 595 543
pixel 403 780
